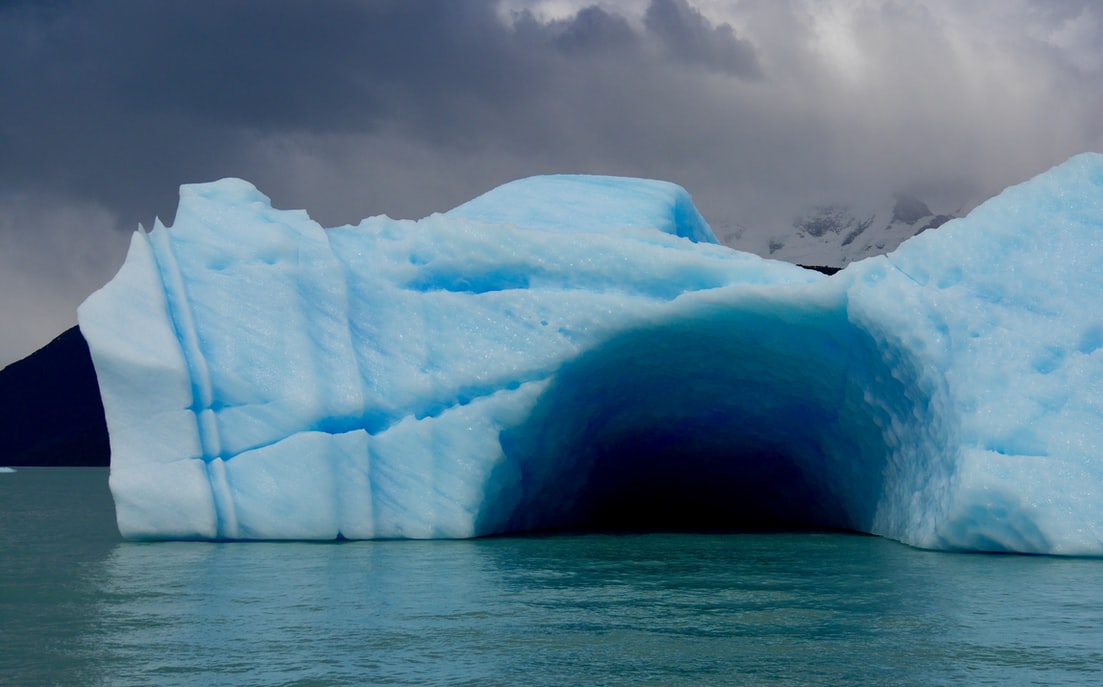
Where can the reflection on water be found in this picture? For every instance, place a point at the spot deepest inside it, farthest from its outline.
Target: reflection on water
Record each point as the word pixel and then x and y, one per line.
pixel 763 609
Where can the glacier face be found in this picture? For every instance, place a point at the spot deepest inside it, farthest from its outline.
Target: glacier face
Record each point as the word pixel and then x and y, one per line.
pixel 569 351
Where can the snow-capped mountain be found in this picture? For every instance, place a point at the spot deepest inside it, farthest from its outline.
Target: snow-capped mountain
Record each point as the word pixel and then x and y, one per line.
pixel 837 234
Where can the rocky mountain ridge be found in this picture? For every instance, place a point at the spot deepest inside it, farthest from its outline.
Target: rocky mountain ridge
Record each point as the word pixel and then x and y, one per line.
pixel 837 234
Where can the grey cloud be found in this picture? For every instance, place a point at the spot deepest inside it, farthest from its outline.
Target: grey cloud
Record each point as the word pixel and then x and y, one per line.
pixel 1066 10
pixel 121 101
pixel 53 253
pixel 108 99
pixel 595 29
pixel 691 37
pixel 592 30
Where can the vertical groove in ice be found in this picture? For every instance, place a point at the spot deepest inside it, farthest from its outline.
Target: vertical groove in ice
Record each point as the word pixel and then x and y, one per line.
pixel 183 322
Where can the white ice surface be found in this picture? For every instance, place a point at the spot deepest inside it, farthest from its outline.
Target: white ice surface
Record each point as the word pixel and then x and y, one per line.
pixel 568 349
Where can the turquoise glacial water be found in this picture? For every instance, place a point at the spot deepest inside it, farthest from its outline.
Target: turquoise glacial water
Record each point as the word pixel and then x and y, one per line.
pixel 78 606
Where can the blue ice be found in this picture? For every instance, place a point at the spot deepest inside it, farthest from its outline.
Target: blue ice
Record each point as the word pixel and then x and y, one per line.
pixel 573 351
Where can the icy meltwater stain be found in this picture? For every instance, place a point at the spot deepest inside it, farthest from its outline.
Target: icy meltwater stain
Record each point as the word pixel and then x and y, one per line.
pixel 80 606
pixel 567 350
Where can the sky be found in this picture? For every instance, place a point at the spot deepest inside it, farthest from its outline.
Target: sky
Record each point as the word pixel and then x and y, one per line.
pixel 759 108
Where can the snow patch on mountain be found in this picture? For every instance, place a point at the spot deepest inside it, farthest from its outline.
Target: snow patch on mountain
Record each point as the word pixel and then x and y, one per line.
pixel 839 233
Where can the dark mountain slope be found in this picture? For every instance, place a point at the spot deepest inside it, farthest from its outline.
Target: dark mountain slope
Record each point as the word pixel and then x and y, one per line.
pixel 50 408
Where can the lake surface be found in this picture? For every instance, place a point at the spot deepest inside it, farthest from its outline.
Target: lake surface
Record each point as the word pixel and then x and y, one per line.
pixel 78 606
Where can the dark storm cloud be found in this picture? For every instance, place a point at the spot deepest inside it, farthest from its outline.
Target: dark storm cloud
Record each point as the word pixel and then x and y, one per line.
pixel 115 99
pixel 592 29
pixel 122 101
pixel 691 37
pixel 119 102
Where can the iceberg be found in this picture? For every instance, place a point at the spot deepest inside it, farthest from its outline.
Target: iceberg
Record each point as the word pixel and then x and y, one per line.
pixel 574 351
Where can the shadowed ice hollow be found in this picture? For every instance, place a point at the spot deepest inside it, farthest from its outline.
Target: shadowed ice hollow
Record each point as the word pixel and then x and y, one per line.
pixel 572 351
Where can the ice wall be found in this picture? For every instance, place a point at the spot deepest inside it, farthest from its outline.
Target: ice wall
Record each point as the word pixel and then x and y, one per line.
pixel 568 351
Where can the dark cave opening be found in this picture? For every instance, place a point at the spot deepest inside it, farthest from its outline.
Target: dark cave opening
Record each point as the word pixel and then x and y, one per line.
pixel 727 420
pixel 671 481
pixel 748 411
